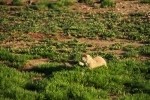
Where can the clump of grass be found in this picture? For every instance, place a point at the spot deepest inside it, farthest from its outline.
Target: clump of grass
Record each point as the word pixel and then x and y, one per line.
pixel 89 2
pixel 13 60
pixel 145 1
pixel 145 50
pixel 131 53
pixel 3 36
pixel 13 84
pixel 17 2
pixel 61 3
pixel 107 3
pixel 115 46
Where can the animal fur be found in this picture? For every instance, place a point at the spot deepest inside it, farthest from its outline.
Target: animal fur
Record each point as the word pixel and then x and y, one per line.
pixel 90 62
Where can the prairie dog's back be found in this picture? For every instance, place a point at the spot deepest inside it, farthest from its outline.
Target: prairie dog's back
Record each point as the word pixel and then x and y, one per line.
pixel 90 62
pixel 100 60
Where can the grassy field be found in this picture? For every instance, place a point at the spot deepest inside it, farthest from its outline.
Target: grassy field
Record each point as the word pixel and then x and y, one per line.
pixel 36 43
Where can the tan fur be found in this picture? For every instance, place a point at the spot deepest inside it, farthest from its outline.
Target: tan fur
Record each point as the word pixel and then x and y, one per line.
pixel 93 62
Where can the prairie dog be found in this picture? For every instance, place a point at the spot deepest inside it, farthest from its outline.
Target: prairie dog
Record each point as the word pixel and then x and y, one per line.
pixel 90 62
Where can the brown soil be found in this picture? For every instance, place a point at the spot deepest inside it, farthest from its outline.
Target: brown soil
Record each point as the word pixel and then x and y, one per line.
pixel 122 6
pixel 36 36
pixel 22 41
pixel 96 44
pixel 107 43
pixel 34 63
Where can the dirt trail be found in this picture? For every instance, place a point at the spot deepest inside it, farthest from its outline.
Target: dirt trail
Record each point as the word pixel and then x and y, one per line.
pixel 34 63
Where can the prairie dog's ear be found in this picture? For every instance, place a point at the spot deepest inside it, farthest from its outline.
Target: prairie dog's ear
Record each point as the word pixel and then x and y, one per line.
pixel 85 55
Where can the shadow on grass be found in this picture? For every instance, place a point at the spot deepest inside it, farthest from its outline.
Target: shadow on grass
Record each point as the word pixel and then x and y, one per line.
pixel 134 87
pixel 49 70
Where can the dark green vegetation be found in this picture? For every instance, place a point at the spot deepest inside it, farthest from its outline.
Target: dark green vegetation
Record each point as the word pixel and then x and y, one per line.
pixel 108 3
pixel 27 33
pixel 145 1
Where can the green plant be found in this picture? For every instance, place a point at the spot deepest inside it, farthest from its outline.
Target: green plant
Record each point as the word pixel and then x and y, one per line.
pixel 89 2
pixel 61 3
pixel 131 53
pixel 145 50
pixel 116 46
pixel 107 3
pixel 13 60
pixel 17 2
pixel 3 36
pixel 145 1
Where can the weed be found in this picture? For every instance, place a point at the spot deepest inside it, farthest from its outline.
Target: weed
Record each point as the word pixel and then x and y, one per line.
pixel 89 2
pixel 60 3
pixel 115 46
pixel 145 50
pixel 107 3
pixel 17 2
pixel 132 53
pixel 145 1
pixel 3 36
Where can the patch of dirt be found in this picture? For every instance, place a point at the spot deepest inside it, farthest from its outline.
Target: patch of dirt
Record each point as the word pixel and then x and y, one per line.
pixel 18 44
pixel 60 37
pixel 38 77
pixel 127 7
pixel 116 52
pixel 22 41
pixel 122 6
pixel 96 44
pixel 36 36
pixel 34 63
pixel 143 58
pixel 99 43
pixel 107 43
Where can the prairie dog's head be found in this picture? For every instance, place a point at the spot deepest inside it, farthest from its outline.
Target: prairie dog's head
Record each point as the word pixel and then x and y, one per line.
pixel 85 60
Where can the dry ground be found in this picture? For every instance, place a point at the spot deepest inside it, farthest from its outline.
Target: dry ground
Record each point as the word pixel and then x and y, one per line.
pixel 122 6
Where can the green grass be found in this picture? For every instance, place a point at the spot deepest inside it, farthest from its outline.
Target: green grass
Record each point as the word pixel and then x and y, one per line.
pixel 61 3
pixel 89 2
pixel 13 84
pixel 145 1
pixel 107 3
pixel 122 79
pixel 126 78
pixel 13 60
